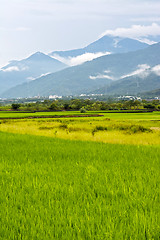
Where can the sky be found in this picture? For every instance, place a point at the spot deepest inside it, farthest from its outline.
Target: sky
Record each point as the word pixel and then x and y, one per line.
pixel 28 26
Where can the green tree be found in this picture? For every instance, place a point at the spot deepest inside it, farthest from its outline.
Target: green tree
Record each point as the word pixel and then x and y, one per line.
pixel 15 106
pixel 53 106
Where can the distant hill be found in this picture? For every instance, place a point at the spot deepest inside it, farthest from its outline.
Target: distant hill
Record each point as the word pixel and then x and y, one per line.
pixel 17 72
pixel 61 83
pixel 103 71
pixel 132 85
pixel 104 44
pixel 153 93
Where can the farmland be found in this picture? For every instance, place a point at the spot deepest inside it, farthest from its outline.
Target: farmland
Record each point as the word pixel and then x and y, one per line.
pixel 80 177
pixel 124 128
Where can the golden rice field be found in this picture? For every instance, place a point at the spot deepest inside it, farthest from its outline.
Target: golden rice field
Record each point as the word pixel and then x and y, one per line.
pixel 111 128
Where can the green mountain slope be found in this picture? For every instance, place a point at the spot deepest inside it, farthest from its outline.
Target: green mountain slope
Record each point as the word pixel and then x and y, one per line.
pixel 90 75
pixel 131 85
pixel 153 93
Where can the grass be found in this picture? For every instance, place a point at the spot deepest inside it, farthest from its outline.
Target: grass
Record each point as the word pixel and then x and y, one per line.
pixel 112 115
pixel 12 114
pixel 141 129
pixel 54 188
pixel 60 189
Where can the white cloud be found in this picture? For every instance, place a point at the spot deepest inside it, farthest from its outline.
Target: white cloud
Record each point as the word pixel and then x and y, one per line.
pixel 11 69
pixel 14 69
pixel 73 61
pixel 107 71
pixel 42 75
pixel 31 78
pixel 23 68
pixel 145 40
pixel 142 71
pixel 135 31
pixel 101 76
pixel 156 70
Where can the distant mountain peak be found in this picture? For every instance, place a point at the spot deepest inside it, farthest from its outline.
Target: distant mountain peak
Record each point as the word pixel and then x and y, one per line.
pixel 105 44
pixel 38 56
pixel 18 72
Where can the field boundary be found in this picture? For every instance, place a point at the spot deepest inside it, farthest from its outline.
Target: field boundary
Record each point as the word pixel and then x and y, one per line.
pixel 54 116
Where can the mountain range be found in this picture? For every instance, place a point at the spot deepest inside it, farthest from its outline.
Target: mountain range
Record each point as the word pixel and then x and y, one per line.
pixel 106 44
pixel 127 66
pixel 104 72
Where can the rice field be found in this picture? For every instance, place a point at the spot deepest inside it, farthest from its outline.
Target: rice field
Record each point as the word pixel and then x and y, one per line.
pixel 14 114
pixel 113 115
pixel 80 178
pixel 123 128
pixel 60 189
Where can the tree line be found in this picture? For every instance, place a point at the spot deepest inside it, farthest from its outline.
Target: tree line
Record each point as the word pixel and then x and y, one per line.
pixel 83 105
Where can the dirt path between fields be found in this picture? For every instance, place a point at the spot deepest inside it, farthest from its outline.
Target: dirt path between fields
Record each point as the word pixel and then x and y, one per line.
pixel 54 116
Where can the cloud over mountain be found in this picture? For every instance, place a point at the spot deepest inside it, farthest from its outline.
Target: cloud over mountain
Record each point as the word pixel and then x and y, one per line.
pixel 156 70
pixel 143 71
pixel 14 69
pixel 73 61
pixel 135 31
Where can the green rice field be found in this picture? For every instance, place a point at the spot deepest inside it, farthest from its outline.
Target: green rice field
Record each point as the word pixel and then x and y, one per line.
pixel 114 115
pixel 80 178
pixel 13 114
